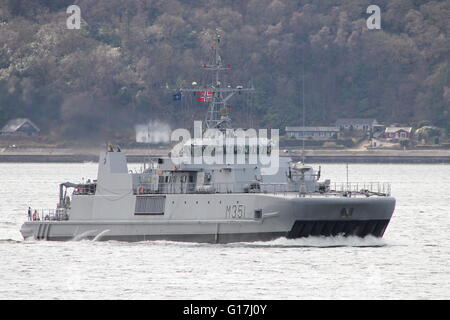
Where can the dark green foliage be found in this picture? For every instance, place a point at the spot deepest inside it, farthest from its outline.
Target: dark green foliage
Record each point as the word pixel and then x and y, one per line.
pixel 111 74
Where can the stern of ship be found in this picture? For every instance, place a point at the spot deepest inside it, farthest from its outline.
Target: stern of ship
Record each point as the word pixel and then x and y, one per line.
pixel 332 216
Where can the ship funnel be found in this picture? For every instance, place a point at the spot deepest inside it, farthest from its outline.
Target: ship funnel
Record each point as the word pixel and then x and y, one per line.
pixel 113 173
pixel 112 162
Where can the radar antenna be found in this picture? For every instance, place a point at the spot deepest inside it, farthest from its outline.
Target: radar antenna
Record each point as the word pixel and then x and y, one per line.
pixel 216 94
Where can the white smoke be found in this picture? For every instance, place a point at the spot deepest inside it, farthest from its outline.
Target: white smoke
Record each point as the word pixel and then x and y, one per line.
pixel 153 132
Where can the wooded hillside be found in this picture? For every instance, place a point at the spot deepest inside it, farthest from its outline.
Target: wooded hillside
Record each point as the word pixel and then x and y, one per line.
pixel 103 79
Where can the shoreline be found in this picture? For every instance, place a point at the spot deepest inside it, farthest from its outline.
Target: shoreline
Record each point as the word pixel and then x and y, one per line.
pixel 312 156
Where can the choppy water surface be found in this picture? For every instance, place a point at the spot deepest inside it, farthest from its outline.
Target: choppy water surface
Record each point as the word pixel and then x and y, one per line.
pixel 412 261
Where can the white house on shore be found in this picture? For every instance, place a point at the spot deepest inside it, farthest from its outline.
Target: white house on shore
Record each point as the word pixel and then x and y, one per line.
pixel 356 124
pixel 315 133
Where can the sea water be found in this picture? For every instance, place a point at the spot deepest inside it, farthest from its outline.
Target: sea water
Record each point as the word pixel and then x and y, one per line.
pixel 411 261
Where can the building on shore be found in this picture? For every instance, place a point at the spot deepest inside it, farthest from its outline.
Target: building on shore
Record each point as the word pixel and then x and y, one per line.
pixel 20 127
pixel 398 133
pixel 356 124
pixel 315 133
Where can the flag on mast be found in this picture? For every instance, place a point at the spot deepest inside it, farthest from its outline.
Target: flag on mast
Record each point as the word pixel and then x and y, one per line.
pixel 205 96
pixel 177 96
pixel 204 99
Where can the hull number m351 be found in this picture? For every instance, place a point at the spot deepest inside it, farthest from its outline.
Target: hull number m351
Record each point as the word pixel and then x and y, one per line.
pixel 235 211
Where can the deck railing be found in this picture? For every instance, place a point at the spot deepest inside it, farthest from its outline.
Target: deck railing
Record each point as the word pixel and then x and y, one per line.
pixel 49 215
pixel 381 188
pixel 343 188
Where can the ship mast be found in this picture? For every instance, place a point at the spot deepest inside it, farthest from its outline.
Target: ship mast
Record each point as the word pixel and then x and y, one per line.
pixel 216 94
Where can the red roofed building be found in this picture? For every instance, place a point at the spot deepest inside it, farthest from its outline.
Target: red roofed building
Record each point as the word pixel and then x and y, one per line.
pixel 398 133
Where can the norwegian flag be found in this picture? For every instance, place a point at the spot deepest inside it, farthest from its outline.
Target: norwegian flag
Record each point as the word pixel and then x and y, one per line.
pixel 204 99
pixel 205 96
pixel 205 93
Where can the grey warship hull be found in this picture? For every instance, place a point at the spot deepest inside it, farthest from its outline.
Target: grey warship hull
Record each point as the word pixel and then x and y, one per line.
pixel 270 217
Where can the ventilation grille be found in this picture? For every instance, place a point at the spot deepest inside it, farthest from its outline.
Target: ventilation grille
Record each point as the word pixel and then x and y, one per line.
pixel 360 228
pixel 149 205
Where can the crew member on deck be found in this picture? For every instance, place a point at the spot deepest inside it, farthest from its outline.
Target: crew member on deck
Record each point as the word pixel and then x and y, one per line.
pixel 29 213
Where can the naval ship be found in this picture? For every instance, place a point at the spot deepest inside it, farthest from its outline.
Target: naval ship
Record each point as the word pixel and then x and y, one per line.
pixel 219 202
